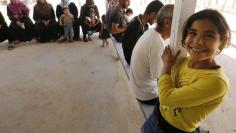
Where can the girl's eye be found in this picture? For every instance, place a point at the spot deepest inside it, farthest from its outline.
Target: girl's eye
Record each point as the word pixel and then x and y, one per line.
pixel 210 35
pixel 192 33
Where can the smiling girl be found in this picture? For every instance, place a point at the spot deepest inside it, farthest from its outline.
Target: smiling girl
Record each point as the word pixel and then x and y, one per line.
pixel 194 87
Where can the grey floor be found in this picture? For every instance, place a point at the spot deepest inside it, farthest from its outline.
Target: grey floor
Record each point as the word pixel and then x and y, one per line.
pixel 65 88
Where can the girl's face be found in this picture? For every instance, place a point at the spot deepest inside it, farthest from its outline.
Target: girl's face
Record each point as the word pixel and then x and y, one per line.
pixel 203 41
pixel 66 10
pixel 92 14
pixel 64 1
pixel 15 1
pixel 114 2
pixel 41 1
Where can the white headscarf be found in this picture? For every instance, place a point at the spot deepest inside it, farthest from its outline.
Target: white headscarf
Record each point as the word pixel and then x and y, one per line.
pixel 64 3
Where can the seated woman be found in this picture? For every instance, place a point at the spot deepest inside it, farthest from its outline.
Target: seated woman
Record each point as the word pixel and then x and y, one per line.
pixel 74 11
pixel 45 21
pixel 92 23
pixel 21 28
pixel 89 4
pixel 3 28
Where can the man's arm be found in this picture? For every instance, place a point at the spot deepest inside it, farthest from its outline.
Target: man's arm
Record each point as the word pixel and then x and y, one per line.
pixel 115 19
pixel 115 29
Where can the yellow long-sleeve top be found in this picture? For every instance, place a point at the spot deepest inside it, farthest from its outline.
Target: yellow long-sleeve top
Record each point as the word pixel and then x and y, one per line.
pixel 188 96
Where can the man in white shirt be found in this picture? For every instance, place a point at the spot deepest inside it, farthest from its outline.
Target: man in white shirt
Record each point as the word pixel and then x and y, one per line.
pixel 146 60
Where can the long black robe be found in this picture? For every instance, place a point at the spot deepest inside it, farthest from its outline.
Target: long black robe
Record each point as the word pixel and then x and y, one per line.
pixel 3 28
pixel 84 11
pixel 17 33
pixel 49 32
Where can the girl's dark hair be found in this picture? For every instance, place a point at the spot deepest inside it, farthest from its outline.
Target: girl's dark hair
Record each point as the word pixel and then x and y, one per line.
pixel 216 18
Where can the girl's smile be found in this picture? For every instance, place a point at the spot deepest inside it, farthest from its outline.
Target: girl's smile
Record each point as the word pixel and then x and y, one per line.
pixel 203 42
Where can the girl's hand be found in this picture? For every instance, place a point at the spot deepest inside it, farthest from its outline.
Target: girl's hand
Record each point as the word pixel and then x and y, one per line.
pixel 169 59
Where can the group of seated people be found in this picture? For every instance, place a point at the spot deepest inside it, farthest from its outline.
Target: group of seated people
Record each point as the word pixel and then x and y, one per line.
pixel 46 28
pixel 183 90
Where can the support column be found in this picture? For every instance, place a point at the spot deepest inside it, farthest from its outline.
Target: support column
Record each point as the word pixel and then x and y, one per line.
pixel 106 3
pixel 182 10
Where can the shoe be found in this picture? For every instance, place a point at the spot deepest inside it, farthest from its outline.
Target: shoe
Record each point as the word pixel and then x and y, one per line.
pixel 61 39
pixel 201 130
pixel 10 47
pixel 85 40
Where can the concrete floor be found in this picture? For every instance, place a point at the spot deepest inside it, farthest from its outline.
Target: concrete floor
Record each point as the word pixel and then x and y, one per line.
pixel 80 88
pixel 65 88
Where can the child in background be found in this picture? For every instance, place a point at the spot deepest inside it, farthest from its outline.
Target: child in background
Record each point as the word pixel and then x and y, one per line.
pixel 128 14
pixel 104 33
pixel 92 22
pixel 67 20
pixel 194 87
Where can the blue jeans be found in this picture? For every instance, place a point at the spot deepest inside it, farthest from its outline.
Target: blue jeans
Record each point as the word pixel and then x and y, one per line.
pixel 68 31
pixel 152 125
